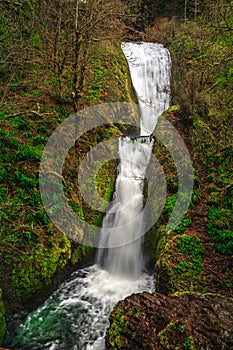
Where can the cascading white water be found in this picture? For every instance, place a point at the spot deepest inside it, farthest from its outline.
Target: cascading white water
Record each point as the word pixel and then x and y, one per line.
pixel 122 226
pixel 150 70
pixel 75 317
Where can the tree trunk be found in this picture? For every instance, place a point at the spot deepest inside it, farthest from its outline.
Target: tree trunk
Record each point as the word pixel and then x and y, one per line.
pixel 185 9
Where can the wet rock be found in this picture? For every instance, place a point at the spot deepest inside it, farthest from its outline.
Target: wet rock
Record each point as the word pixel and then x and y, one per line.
pixel 179 321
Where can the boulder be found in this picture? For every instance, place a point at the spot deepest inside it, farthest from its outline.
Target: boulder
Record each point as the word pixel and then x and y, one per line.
pixel 178 321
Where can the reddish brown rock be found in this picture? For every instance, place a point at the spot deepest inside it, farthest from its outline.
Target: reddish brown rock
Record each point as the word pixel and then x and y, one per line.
pixel 179 321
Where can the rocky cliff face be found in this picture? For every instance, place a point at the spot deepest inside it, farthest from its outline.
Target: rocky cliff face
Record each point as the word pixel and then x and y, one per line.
pixel 179 321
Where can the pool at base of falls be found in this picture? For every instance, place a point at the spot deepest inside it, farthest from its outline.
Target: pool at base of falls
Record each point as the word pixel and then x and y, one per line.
pixel 75 317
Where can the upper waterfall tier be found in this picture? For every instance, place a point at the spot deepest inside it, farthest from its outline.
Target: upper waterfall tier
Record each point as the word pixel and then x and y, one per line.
pixel 150 69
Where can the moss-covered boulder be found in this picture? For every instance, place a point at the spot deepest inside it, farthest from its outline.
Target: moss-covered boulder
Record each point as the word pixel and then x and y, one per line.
pixel 179 321
pixel 35 269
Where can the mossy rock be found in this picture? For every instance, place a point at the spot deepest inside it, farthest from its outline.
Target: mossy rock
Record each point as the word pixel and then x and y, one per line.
pixel 180 321
pixel 111 69
pixel 174 337
pixel 35 270
pixel 155 241
pixel 179 267
pixel 81 254
pixel 2 319
pixel 115 331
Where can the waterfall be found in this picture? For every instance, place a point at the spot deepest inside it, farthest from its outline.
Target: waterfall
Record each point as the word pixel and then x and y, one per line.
pixel 75 316
pixel 150 70
pixel 122 226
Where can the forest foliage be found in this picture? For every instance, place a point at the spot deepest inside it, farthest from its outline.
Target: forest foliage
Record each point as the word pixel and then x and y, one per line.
pixel 58 56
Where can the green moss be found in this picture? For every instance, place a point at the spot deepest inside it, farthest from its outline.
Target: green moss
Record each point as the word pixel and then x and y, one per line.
pixel 220 228
pixel 108 77
pixel 190 245
pixel 182 225
pixel 2 319
pixel 174 337
pixel 155 241
pixel 35 270
pixel 181 263
pixel 116 329
pixel 81 254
